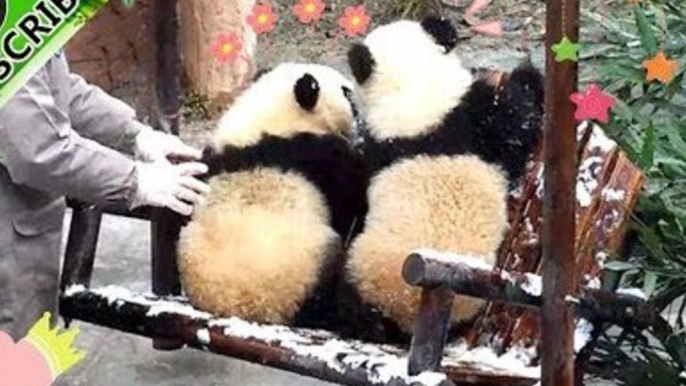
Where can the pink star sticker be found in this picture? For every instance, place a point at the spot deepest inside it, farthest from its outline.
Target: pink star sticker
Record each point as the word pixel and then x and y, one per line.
pixel 592 104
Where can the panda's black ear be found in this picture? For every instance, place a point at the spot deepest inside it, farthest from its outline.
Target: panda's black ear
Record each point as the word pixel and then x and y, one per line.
pixel 307 91
pixel 442 31
pixel 361 62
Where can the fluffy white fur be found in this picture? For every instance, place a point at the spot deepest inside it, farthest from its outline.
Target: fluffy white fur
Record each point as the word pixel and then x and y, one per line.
pixel 452 204
pixel 268 107
pixel 395 100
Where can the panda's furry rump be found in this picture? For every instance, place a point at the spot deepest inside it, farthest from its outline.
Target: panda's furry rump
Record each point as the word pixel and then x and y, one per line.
pixel 259 230
pixel 441 202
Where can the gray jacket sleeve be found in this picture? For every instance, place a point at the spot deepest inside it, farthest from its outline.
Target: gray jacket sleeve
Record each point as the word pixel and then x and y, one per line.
pixel 101 117
pixel 40 150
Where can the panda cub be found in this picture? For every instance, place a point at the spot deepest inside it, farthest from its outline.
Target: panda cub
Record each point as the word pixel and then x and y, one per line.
pixel 442 147
pixel 287 192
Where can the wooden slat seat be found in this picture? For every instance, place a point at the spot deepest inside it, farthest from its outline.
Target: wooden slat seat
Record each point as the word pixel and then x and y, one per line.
pixel 308 352
pixel 608 187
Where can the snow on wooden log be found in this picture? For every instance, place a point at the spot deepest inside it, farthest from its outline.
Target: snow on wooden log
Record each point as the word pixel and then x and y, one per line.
pixel 312 353
pixel 521 289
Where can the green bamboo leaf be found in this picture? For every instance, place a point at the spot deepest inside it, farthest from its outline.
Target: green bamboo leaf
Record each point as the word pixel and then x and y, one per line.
pixel 650 283
pixel 647 156
pixel 618 266
pixel 648 40
pixel 661 20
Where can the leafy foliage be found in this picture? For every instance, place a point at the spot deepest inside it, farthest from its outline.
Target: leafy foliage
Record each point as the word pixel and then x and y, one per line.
pixel 649 123
pixel 415 9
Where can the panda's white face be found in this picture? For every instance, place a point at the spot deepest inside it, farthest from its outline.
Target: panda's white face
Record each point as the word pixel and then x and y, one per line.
pixel 409 77
pixel 292 98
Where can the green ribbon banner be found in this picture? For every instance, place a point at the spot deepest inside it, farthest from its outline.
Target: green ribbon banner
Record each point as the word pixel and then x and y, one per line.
pixel 32 31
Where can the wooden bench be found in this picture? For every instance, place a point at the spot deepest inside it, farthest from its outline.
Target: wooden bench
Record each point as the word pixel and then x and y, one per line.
pixel 500 349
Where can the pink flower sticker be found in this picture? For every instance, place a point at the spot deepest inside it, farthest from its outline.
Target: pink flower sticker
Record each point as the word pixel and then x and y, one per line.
pixel 309 11
pixel 355 21
pixel 22 364
pixel 262 19
pixel 592 104
pixel 227 47
pixel 38 359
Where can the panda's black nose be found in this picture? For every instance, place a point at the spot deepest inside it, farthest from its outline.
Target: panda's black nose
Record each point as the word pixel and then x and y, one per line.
pixel 348 93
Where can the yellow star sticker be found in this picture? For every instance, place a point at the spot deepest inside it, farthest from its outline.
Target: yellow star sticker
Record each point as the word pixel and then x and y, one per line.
pixel 566 50
pixel 660 68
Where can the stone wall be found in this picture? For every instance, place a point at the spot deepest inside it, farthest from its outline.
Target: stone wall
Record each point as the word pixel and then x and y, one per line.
pixel 116 51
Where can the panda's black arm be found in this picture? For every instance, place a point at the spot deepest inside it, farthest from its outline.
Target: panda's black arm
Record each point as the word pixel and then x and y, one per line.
pixel 444 140
pixel 337 170
pixel 327 161
pixel 507 122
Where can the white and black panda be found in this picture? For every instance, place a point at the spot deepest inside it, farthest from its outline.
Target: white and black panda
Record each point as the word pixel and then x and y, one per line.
pixel 442 147
pixel 287 191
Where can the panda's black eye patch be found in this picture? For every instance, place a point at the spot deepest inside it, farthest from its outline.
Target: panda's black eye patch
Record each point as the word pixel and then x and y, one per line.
pixel 361 62
pixel 307 91
pixel 442 31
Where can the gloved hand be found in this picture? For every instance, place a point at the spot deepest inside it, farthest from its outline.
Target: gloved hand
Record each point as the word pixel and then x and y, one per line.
pixel 152 145
pixel 163 184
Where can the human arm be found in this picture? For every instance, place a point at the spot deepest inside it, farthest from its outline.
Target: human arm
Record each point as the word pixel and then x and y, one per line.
pixel 97 115
pixel 40 150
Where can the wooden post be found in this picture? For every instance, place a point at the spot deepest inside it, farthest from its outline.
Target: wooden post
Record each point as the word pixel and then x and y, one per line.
pixel 165 275
pixel 169 90
pixel 79 256
pixel 559 268
pixel 430 330
pixel 82 242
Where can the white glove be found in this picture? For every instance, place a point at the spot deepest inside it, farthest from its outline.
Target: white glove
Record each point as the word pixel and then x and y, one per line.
pixel 152 145
pixel 162 184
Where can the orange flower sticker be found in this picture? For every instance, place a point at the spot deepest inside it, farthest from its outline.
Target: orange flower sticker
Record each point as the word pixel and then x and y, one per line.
pixel 355 20
pixel 660 68
pixel 262 19
pixel 227 47
pixel 309 10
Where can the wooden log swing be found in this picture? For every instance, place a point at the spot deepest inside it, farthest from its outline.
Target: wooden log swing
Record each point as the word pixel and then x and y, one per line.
pixel 565 236
pixel 508 327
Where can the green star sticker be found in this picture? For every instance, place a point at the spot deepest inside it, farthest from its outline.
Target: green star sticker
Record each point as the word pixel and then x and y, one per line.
pixel 566 50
